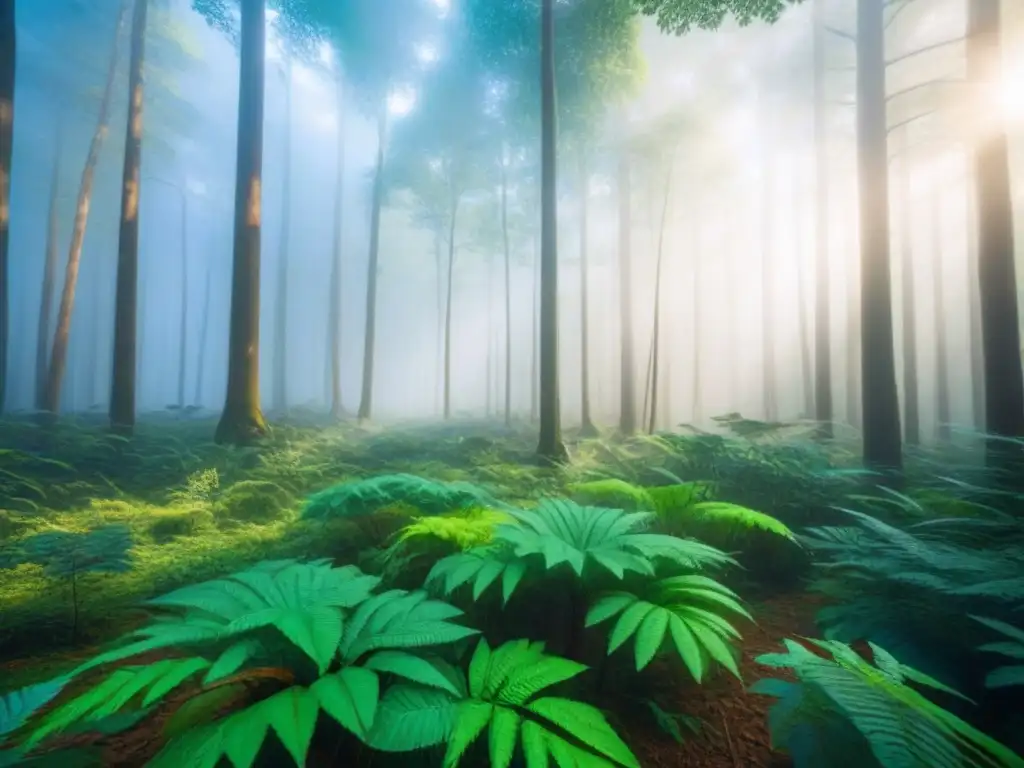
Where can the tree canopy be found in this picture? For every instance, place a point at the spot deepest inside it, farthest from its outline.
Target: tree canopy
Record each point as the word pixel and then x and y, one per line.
pixel 680 16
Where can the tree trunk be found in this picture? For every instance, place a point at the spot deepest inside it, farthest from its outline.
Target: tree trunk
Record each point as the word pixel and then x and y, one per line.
pixel 376 202
pixel 508 295
pixel 489 382
pixel 281 301
pixel 43 339
pixel 59 352
pixel 8 63
pixel 652 418
pixel 768 371
pixel 183 320
pixel 974 317
pixel 908 305
pixel 822 287
pixel 453 211
pixel 942 394
pixel 627 362
pixel 439 356
pixel 242 419
pixel 122 390
pixel 697 307
pixel 204 324
pixel 997 279
pixel 804 321
pixel 550 447
pixel 879 398
pixel 854 383
pixel 535 334
pixel 587 426
pixel 335 282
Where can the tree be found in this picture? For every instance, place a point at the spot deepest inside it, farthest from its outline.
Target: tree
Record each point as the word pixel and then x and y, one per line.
pixel 122 395
pixel 242 419
pixel 997 279
pixel 823 411
pixel 59 351
pixel 281 303
pixel 8 60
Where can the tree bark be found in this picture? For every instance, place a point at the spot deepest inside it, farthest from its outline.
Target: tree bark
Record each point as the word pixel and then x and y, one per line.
pixel 281 301
pixel 550 447
pixel 879 397
pixel 997 279
pixel 627 363
pixel 122 390
pixel 8 64
pixel 587 428
pixel 376 202
pixel 242 419
pixel 908 305
pixel 823 407
pixel 508 294
pixel 59 352
pixel 43 340
pixel 335 282
pixel 942 394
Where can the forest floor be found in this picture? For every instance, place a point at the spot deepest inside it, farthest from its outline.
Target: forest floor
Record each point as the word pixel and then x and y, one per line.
pixel 186 527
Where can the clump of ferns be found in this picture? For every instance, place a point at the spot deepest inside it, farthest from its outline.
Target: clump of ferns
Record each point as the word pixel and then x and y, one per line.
pixel 607 564
pixel 845 709
pixel 908 588
pixel 373 663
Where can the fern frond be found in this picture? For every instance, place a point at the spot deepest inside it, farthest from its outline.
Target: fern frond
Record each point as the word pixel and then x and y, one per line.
pixel 479 567
pixel 429 497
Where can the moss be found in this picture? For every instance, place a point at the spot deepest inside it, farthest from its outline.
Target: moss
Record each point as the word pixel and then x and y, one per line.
pixel 166 525
pixel 11 524
pixel 113 509
pixel 253 501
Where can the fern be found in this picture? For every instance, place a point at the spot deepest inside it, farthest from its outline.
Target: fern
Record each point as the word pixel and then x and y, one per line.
pixel 563 532
pixel 503 697
pixel 686 608
pixel 1012 647
pixel 612 492
pixel 846 711
pixel 359 497
pixel 734 518
pixel 472 529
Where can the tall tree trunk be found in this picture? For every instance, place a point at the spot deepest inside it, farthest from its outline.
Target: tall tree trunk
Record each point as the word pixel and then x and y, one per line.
pixel 942 394
pixel 587 429
pixel 804 321
pixel 204 325
pixel 854 378
pixel 627 362
pixel 652 418
pixel 997 279
pixel 183 320
pixel 8 63
pixel 974 317
pixel 281 300
pixel 535 334
pixel 880 401
pixel 335 282
pixel 823 408
pixel 453 211
pixel 439 356
pixel 508 295
pixel 908 305
pixel 43 340
pixel 490 377
pixel 376 202
pixel 122 390
pixel 550 447
pixel 59 352
pixel 242 419
pixel 696 307
pixel 768 372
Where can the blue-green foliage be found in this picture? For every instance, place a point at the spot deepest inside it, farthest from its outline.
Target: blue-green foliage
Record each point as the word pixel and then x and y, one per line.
pixel 428 497
pixel 65 554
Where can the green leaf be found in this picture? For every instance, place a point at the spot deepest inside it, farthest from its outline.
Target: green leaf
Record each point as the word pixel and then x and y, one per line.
pixel 351 697
pixel 413 668
pixel 412 717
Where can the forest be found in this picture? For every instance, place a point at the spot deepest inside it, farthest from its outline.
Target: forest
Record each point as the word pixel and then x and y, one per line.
pixel 586 383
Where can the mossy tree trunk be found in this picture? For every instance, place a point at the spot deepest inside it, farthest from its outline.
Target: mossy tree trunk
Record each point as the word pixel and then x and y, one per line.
pixel 550 447
pixel 62 334
pixel 627 362
pixel 8 63
pixel 335 281
pixel 242 419
pixel 122 390
pixel 44 330
pixel 373 270
pixel 879 397
pixel 997 278
pixel 281 301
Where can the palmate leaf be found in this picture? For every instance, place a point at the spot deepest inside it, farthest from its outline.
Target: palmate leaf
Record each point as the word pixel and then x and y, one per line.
pixel 503 686
pixel 479 567
pixel 687 608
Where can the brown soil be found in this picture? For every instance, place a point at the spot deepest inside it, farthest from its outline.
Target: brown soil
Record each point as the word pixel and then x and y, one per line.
pixel 733 723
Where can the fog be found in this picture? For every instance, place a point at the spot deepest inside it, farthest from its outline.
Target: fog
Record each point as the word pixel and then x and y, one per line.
pixel 740 211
